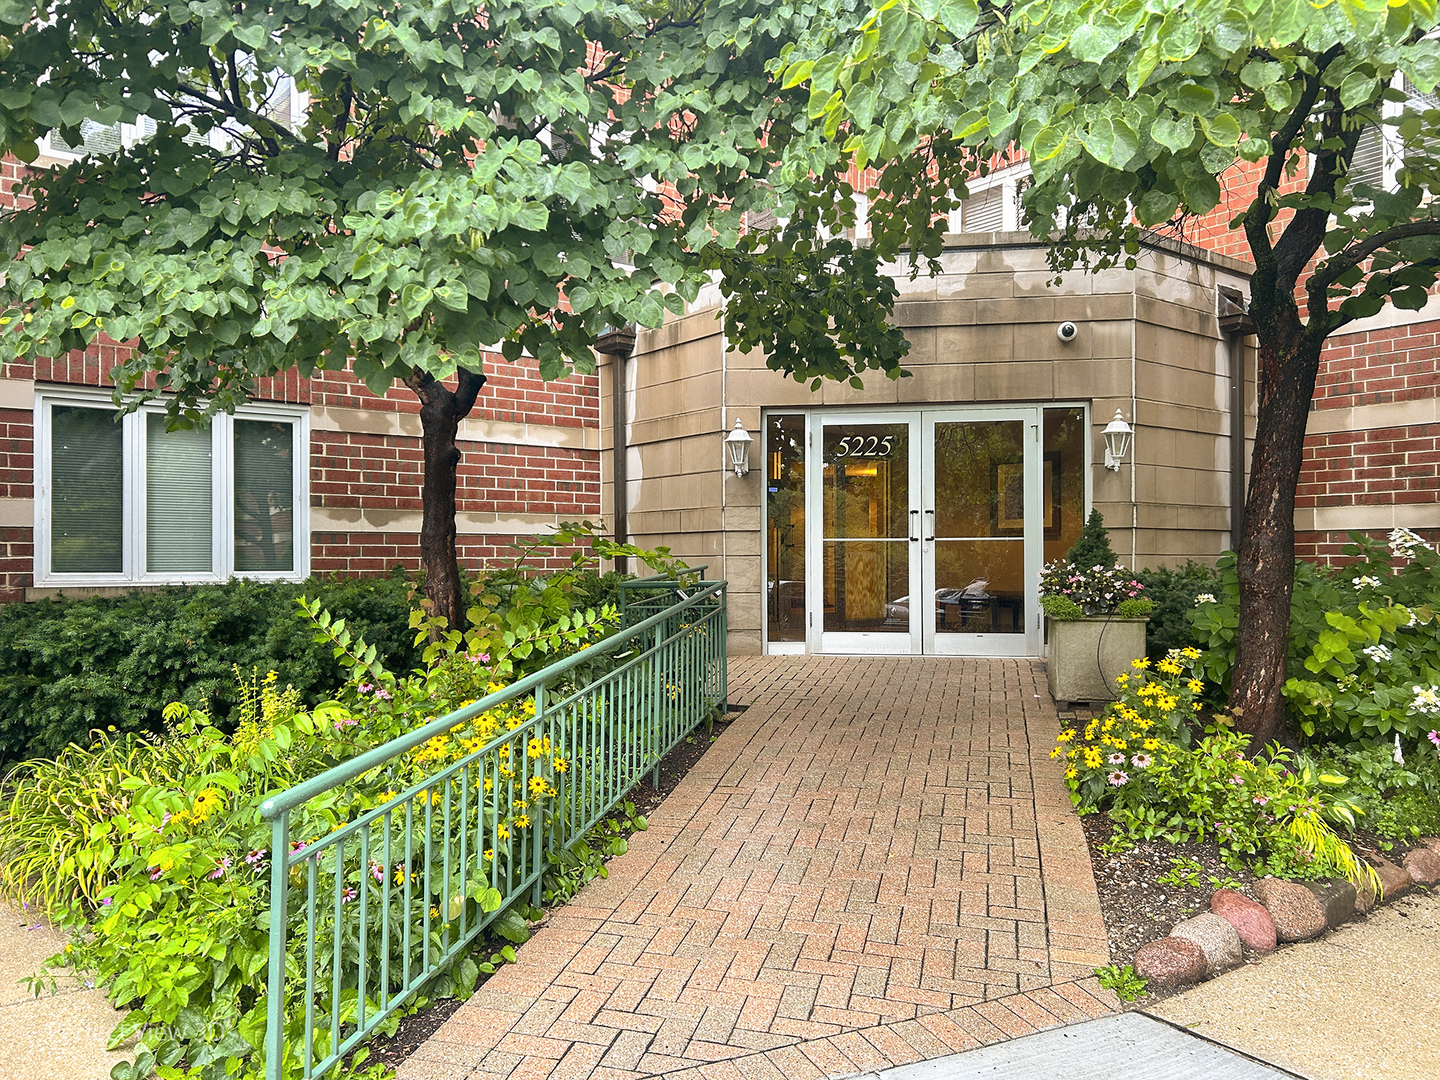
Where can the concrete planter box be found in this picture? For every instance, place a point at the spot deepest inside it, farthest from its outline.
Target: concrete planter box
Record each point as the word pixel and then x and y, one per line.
pixel 1085 655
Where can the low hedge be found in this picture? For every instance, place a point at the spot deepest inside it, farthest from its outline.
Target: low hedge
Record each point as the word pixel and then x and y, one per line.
pixel 68 667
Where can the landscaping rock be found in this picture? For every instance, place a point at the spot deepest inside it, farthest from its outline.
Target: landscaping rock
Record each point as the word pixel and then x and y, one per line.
pixel 1423 865
pixel 1218 940
pixel 1297 913
pixel 1393 881
pixel 1337 896
pixel 1250 920
pixel 1170 962
pixel 1365 898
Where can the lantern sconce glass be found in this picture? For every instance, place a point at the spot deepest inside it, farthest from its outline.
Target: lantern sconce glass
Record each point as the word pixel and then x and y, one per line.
pixel 1117 441
pixel 738 444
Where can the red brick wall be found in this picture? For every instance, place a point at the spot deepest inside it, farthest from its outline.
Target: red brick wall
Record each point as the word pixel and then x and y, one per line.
pixel 1399 363
pixel 378 552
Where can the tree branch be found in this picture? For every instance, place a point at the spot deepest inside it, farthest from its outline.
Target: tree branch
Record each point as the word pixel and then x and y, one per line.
pixel 1306 231
pixel 1333 268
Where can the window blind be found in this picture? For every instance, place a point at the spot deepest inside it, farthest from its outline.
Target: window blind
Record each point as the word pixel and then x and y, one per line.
pixel 178 511
pixel 87 491
pixel 264 495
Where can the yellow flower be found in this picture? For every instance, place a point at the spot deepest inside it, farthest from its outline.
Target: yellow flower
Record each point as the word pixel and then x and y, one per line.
pixel 489 784
pixel 1141 664
pixel 522 822
pixel 1056 752
pixel 489 854
pixel 1119 744
pixel 1122 680
pixel 1190 652
pixel 1092 757
pixel 1071 773
pixel 534 749
pixel 503 833
pixel 1066 735
pixel 561 765
pixel 1168 666
pixel 1195 686
pixel 1151 744
pixel 537 786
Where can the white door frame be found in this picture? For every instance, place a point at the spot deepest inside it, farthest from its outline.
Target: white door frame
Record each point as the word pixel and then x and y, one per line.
pixel 922 636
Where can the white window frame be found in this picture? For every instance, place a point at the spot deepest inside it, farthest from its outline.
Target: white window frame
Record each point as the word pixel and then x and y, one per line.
pixel 222 534
pixel 1008 178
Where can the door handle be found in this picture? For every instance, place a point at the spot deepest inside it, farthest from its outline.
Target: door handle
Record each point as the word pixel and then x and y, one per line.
pixel 913 538
pixel 931 537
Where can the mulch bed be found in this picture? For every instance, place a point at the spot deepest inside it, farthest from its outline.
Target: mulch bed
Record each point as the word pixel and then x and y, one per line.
pixel 392 1050
pixel 1139 908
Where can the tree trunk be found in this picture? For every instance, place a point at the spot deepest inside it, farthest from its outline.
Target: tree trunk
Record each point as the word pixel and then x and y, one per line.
pixel 441 410
pixel 1266 554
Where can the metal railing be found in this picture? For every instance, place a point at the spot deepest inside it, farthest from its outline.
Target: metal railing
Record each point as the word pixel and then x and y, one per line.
pixel 395 895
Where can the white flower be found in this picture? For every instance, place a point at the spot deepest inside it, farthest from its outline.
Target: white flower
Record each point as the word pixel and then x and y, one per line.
pixel 1427 701
pixel 1379 653
pixel 1365 582
pixel 1403 542
pixel 1204 598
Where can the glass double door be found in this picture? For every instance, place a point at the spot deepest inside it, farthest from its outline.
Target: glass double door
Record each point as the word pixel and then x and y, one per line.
pixel 922 544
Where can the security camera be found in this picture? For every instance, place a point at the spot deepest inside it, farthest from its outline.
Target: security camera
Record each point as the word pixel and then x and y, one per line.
pixel 1067 331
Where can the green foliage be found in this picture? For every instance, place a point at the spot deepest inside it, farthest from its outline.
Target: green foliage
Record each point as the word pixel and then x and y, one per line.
pixel 70 666
pixel 1364 653
pixel 1130 113
pixel 1092 547
pixel 1134 607
pixel 1187 872
pixel 1061 607
pixel 451 179
pixel 1399 795
pixel 1175 594
pixel 1136 760
pixel 1127 985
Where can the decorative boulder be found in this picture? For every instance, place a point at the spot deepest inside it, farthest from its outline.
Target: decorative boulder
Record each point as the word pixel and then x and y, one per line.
pixel 1338 898
pixel 1218 940
pixel 1296 912
pixel 1250 920
pixel 1423 865
pixel 1170 962
pixel 1393 880
pixel 1365 898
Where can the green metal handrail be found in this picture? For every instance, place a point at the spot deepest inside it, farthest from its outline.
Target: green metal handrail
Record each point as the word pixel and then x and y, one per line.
pixel 475 834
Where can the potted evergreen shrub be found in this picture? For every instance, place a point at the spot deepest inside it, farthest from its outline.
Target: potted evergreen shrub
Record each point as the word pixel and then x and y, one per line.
pixel 1095 616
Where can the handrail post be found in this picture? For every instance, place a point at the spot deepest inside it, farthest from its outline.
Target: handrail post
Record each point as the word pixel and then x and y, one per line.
pixel 539 847
pixel 279 926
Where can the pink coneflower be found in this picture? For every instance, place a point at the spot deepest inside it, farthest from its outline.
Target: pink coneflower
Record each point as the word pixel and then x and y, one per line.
pixel 1142 761
pixel 348 894
pixel 1117 778
pixel 156 873
pixel 220 868
pixel 1434 737
pixel 344 722
pixel 255 858
pixel 1116 758
pixel 1260 800
pixel 377 872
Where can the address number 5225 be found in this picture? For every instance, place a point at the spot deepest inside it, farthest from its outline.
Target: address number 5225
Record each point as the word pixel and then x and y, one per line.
pixel 865 446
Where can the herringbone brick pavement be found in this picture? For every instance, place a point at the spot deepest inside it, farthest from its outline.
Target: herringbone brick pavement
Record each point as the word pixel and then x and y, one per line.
pixel 875 864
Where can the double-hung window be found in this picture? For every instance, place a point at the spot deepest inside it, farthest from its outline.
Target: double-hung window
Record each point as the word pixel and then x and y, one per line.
pixel 120 500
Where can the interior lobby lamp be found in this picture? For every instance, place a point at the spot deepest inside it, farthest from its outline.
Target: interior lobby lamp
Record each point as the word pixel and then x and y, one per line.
pixel 1117 441
pixel 738 443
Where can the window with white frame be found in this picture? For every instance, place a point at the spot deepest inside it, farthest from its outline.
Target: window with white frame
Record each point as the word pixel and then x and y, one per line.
pixel 121 500
pixel 1381 151
pixel 993 202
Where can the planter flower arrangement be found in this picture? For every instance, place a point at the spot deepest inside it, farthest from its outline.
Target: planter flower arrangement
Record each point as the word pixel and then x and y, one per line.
pixel 1090 581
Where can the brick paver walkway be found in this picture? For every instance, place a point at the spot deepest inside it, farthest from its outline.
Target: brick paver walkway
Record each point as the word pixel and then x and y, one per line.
pixel 876 864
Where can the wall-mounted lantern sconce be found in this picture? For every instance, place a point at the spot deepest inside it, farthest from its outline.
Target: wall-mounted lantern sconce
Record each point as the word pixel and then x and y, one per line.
pixel 1117 441
pixel 738 444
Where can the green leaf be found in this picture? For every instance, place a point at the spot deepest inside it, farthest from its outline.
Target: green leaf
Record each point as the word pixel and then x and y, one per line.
pixel 1222 130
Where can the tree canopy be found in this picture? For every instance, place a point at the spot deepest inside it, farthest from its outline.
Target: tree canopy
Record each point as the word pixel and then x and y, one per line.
pixel 456 170
pixel 403 186
pixel 1134 115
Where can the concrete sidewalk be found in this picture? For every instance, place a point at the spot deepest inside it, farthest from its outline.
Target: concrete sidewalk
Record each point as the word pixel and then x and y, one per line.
pixel 58 1036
